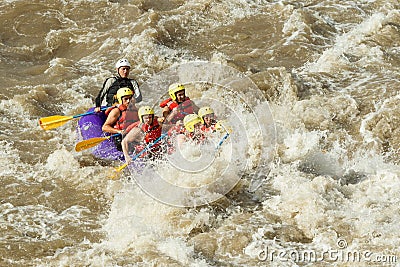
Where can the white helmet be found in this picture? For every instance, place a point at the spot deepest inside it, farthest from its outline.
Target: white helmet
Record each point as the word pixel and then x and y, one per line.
pixel 122 63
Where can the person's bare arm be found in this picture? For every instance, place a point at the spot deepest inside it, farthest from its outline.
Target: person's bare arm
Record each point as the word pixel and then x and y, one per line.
pixel 134 135
pixel 124 144
pixel 165 112
pixel 110 122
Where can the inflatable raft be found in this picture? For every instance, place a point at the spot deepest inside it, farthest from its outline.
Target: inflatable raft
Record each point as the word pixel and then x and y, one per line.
pixel 89 127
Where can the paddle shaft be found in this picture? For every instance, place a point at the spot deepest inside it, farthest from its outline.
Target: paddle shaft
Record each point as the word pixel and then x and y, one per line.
pixel 149 146
pixel 222 141
pixel 88 113
pixel 120 168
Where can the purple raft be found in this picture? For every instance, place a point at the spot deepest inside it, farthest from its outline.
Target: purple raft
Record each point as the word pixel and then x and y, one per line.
pixel 89 127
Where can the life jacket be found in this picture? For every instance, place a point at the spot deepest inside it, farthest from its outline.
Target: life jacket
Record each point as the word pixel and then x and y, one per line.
pixel 152 132
pixel 112 90
pixel 120 124
pixel 184 108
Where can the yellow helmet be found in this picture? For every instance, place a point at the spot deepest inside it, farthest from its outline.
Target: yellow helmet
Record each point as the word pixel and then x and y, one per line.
pixel 124 91
pixel 146 110
pixel 174 88
pixel 205 111
pixel 190 120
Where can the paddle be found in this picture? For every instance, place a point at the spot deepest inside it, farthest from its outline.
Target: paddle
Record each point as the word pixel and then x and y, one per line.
pixel 89 143
pixel 55 121
pixel 228 130
pixel 222 141
pixel 120 168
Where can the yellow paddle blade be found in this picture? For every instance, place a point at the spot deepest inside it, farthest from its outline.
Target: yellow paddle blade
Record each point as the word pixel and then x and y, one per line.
pixel 117 171
pixel 85 144
pixel 52 122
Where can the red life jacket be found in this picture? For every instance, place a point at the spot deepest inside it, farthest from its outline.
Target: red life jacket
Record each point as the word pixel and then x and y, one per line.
pixel 120 124
pixel 184 108
pixel 165 103
pixel 152 131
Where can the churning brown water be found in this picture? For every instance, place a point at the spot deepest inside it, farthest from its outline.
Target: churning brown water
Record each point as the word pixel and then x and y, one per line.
pixel 329 70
